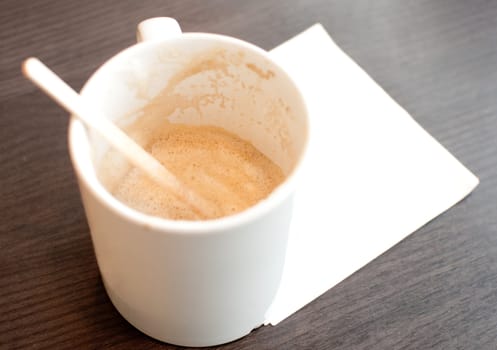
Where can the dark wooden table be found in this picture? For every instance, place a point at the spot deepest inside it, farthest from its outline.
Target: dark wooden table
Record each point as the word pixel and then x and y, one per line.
pixel 437 289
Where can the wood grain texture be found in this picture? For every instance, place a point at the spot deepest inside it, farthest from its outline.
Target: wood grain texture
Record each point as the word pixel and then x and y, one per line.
pixel 437 289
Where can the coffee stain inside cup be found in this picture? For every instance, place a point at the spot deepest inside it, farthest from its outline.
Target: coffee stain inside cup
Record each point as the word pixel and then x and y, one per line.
pixel 205 126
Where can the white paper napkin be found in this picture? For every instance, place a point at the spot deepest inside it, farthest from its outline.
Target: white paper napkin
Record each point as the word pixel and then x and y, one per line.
pixel 372 176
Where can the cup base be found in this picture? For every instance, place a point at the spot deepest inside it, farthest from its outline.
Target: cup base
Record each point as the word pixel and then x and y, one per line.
pixel 155 330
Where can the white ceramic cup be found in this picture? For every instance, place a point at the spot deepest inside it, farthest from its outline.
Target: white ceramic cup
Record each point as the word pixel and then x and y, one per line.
pixel 185 282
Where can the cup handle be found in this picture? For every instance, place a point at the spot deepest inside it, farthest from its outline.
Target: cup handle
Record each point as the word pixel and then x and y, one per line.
pixel 157 28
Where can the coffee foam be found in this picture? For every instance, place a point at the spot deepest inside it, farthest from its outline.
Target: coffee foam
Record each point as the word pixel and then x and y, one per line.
pixel 230 173
pixel 184 126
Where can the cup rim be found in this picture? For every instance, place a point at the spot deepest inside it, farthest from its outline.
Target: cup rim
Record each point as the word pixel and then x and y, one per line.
pixel 97 189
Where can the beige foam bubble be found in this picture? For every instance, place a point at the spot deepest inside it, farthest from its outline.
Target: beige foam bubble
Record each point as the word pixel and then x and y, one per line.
pixel 227 171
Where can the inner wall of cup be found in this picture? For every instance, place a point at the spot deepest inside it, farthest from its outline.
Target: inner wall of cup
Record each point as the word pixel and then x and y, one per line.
pixel 199 82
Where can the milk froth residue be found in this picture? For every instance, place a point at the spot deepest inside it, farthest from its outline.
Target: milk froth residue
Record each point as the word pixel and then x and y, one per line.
pixel 225 170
